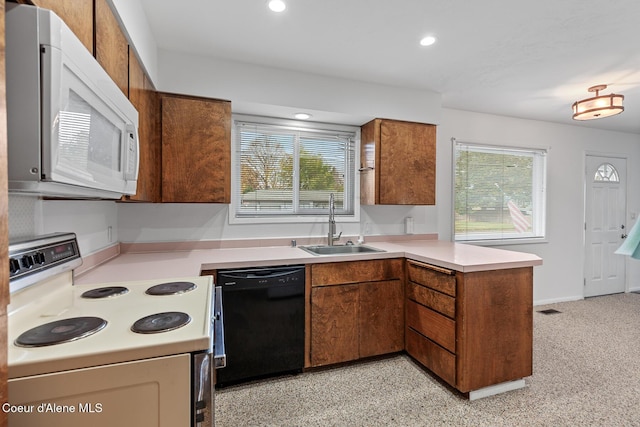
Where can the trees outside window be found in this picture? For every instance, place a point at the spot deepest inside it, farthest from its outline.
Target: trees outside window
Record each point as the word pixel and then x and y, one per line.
pixel 499 192
pixel 284 170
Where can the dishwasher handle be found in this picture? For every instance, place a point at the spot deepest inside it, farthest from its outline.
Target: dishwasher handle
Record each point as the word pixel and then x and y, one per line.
pixel 265 273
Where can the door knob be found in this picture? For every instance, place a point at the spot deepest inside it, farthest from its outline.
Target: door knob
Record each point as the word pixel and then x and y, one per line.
pixel 624 236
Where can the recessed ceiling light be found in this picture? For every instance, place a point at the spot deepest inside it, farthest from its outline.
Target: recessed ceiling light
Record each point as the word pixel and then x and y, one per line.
pixel 302 116
pixel 277 5
pixel 427 41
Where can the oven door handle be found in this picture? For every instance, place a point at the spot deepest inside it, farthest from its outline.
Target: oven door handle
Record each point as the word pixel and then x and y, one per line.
pixel 219 354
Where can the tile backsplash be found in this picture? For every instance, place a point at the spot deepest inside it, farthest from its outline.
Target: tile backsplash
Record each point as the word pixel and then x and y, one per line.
pixel 23 216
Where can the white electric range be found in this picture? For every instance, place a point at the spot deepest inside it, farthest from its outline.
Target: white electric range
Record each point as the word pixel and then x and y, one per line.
pixel 138 353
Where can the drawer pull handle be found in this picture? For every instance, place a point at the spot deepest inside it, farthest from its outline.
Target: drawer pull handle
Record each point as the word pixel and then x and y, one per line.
pixel 434 267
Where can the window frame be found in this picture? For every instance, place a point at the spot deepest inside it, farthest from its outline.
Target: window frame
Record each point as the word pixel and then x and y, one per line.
pixel 539 197
pixel 235 217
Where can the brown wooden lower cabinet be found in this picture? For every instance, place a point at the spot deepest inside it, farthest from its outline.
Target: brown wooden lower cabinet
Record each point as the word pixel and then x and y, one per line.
pixel 380 317
pixel 334 327
pixel 473 330
pixel 440 361
pixel 440 329
pixel 494 327
pixel 356 310
pixel 486 339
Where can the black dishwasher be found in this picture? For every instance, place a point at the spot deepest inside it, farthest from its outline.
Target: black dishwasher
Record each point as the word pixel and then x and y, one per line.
pixel 263 321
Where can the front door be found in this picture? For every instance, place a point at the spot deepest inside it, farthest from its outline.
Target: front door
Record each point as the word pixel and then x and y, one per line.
pixel 605 228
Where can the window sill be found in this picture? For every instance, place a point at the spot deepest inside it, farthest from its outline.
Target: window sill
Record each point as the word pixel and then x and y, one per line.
pixel 292 219
pixel 506 242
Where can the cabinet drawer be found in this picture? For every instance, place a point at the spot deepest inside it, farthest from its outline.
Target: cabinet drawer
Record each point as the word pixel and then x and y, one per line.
pixel 432 325
pixel 434 300
pixel 340 273
pixel 438 278
pixel 435 358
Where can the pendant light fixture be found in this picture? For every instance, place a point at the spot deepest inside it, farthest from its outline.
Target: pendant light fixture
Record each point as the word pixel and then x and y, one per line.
pixel 599 106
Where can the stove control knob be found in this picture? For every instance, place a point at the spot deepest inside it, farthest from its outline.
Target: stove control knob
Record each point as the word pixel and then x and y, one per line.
pixel 38 258
pixel 27 261
pixel 14 266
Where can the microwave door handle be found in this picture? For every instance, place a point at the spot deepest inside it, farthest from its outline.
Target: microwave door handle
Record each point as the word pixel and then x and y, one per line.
pixel 132 153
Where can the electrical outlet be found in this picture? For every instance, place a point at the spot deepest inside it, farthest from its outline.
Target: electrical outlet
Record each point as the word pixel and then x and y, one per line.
pixel 367 228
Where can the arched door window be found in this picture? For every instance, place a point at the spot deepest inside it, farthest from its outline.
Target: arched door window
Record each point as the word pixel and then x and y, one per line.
pixel 606 173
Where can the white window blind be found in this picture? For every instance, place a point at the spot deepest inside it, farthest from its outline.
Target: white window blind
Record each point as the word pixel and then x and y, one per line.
pixel 499 192
pixel 287 170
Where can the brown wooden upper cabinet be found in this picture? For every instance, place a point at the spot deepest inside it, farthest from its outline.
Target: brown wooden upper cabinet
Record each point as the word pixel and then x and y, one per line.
pixel 144 98
pixel 112 47
pixel 397 163
pixel 77 14
pixel 196 149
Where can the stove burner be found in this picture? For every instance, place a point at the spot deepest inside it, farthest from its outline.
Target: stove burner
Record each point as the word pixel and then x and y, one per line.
pixel 161 322
pixel 106 292
pixel 60 331
pixel 171 288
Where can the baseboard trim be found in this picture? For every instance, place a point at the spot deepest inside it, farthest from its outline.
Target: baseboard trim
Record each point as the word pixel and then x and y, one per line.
pixel 557 300
pixel 497 389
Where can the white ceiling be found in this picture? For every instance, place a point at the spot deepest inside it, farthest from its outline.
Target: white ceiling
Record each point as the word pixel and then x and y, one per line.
pixel 521 59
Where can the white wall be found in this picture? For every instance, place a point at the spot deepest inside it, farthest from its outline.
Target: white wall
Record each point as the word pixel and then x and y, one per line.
pixel 276 92
pixel 171 222
pixel 561 276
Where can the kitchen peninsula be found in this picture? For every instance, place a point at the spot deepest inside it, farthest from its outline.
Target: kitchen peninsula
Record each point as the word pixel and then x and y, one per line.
pixel 465 312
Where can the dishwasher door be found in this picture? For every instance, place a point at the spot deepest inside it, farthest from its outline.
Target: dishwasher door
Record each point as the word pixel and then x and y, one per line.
pixel 264 322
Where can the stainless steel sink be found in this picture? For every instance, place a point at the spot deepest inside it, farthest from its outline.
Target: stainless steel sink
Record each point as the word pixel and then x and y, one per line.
pixel 339 249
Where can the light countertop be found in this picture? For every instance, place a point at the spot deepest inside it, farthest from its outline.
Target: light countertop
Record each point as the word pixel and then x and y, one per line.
pixel 180 263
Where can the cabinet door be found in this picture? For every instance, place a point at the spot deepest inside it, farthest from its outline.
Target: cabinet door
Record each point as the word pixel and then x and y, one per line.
pixel 381 322
pixel 142 96
pixel 77 14
pixel 196 149
pixel 369 134
pixel 407 166
pixel 334 324
pixel 112 47
pixel 494 327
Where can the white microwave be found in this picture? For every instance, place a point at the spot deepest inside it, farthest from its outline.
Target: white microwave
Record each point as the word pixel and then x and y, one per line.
pixel 71 131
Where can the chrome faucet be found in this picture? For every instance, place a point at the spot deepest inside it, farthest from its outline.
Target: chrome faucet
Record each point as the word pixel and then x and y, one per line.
pixel 331 236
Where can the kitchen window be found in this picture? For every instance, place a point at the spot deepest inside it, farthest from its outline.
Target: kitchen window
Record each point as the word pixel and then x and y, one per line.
pixel 286 168
pixel 499 193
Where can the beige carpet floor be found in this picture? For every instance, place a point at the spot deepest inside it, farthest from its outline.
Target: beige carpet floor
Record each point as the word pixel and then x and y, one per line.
pixel 586 373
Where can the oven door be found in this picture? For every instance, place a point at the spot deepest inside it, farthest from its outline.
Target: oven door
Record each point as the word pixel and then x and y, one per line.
pixel 204 366
pixel 142 393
